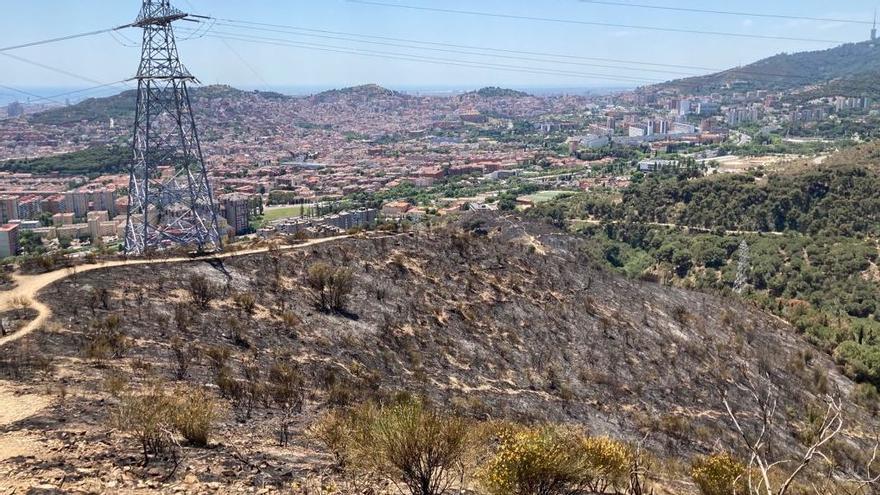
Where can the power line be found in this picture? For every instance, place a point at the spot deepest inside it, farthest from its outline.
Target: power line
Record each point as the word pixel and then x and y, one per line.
pixel 291 30
pixel 593 23
pixel 53 69
pixel 472 47
pixel 54 98
pixel 423 59
pixel 63 38
pixel 460 52
pixel 245 62
pixel 27 93
pixel 723 12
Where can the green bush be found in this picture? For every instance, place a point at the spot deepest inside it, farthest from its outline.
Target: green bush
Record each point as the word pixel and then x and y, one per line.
pixel 861 362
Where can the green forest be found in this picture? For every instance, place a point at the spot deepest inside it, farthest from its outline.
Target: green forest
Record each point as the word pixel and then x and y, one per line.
pixel 91 162
pixel 812 260
pixel 833 201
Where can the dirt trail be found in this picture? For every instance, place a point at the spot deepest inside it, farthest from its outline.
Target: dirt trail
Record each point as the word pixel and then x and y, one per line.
pixel 27 286
pixel 16 407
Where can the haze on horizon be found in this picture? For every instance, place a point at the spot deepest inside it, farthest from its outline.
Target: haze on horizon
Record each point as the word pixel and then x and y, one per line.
pixel 255 65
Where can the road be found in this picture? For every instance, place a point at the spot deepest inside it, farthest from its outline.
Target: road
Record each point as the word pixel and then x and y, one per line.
pixel 28 286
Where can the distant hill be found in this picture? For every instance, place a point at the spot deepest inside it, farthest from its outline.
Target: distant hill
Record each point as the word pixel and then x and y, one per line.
pixel 495 92
pixel 849 69
pixel 121 106
pixel 92 161
pixel 366 91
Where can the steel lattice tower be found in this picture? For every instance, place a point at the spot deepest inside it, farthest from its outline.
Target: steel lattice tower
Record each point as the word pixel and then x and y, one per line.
pixel 170 199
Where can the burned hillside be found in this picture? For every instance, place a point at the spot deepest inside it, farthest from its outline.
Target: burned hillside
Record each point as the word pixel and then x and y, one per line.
pixel 487 318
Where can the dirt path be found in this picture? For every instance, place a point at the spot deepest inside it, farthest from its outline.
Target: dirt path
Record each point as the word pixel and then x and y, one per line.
pixel 27 286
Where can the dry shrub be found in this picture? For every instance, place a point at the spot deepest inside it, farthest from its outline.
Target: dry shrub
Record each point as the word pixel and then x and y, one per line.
pixel 331 285
pixel 245 302
pixel 21 302
pixel 155 418
pixel 286 387
pixel 719 474
pixel 606 463
pixel 334 431
pixel 21 359
pixel 415 446
pixel 202 291
pixel 194 414
pixel 184 356
pixel 148 417
pixel 105 339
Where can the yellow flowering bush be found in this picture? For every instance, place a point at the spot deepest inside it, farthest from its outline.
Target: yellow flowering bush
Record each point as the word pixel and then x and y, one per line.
pixel 719 474
pixel 551 461
pixel 606 463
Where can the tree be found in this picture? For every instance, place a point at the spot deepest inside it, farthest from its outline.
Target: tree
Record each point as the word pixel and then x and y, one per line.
pixel 761 472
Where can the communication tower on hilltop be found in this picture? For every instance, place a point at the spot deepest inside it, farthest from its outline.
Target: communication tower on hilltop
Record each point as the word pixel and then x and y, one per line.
pixel 170 199
pixel 874 29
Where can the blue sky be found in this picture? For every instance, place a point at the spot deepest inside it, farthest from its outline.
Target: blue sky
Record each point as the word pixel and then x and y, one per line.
pixel 105 59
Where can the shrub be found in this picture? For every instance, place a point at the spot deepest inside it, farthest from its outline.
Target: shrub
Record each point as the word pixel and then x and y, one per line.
pixel 334 431
pixel 193 415
pixel 148 417
pixel 411 444
pixel 184 355
pixel 153 417
pixel 287 387
pixel 331 285
pixel 202 291
pixel 867 396
pixel 245 302
pixel 606 463
pixel 719 474
pixel 21 359
pixel 538 461
pixel 182 317
pixel 105 339
pixel 554 461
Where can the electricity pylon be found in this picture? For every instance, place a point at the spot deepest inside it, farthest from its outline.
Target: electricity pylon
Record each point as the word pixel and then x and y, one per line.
pixel 743 268
pixel 170 199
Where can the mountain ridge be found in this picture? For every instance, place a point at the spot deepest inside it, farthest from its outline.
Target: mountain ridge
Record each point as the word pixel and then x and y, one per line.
pixel 786 71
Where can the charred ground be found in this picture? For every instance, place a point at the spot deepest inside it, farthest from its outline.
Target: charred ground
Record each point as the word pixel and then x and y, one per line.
pixel 490 318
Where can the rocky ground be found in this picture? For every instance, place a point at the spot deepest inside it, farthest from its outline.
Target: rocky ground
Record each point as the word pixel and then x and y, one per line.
pixel 491 318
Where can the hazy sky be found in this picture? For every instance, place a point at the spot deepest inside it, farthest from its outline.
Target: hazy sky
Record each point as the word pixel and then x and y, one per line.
pixel 105 59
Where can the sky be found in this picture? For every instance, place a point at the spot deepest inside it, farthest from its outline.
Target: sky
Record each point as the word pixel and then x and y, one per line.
pixel 105 58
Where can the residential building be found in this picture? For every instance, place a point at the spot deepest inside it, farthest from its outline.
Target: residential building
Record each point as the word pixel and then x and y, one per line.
pixel 8 240
pixel 77 202
pixel 30 207
pixel 8 208
pixel 236 209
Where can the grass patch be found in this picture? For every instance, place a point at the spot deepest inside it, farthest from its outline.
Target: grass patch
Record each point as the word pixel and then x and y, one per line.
pixel 273 214
pixel 544 196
